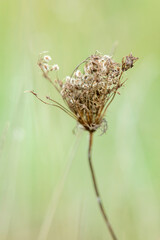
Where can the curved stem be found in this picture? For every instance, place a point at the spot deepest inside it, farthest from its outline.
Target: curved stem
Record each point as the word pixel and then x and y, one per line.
pixel 79 65
pixel 97 190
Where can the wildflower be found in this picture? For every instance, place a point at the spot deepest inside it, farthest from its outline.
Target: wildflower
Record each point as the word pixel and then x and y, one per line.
pixel 88 95
pixel 77 73
pixel 94 89
pixel 98 86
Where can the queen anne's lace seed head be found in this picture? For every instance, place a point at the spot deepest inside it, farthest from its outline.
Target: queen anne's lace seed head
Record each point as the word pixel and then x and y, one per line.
pixel 99 82
pixel 89 92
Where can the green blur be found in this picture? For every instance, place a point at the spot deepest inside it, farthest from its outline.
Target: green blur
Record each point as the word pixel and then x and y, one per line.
pixel 46 191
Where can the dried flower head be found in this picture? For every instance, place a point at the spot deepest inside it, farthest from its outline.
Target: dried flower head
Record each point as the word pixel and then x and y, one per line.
pixel 88 92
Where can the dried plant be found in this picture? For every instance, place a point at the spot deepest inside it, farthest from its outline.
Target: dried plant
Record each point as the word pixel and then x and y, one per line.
pixel 88 94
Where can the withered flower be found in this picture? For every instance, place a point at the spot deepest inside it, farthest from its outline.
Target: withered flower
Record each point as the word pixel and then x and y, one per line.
pixel 88 92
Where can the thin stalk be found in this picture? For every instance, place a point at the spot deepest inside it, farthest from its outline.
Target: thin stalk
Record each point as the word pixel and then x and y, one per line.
pixel 110 229
pixel 51 104
pixel 79 65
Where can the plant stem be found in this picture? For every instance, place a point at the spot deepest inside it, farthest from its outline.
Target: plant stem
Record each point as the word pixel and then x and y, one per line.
pixel 97 190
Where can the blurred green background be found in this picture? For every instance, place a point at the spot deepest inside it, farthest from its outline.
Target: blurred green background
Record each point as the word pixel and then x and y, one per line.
pixel 45 185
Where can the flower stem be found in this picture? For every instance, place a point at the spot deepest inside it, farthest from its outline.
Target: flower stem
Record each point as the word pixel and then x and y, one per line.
pixel 110 229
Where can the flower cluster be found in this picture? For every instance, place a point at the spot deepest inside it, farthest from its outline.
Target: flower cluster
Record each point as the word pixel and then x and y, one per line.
pixel 43 63
pixel 88 92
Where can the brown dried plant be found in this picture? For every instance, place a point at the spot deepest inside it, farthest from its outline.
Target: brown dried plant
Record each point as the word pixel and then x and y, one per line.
pixel 88 94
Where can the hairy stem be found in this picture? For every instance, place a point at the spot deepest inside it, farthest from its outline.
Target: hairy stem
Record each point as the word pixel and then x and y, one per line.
pixel 110 229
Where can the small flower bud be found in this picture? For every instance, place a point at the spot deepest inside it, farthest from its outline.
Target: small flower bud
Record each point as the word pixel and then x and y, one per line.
pixel 85 85
pixel 68 78
pixel 72 81
pixel 128 62
pixel 47 58
pixel 77 73
pixel 46 67
pixel 55 67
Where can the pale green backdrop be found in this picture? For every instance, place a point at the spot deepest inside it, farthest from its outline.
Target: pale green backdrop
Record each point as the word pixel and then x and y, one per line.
pixel 46 191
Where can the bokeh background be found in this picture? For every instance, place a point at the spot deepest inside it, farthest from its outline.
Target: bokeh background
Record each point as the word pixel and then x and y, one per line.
pixel 45 185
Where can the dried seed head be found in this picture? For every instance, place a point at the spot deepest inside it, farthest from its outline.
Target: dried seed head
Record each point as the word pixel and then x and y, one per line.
pixel 88 93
